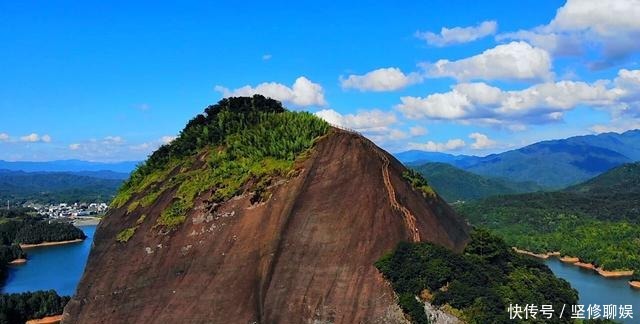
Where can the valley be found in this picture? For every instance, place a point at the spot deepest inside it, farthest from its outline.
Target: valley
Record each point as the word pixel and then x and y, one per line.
pixel 596 221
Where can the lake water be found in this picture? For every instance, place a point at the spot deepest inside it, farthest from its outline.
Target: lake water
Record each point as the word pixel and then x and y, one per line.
pixel 57 267
pixel 597 290
pixel 60 267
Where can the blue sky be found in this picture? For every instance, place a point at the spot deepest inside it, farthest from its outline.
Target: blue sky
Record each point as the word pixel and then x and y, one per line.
pixel 110 82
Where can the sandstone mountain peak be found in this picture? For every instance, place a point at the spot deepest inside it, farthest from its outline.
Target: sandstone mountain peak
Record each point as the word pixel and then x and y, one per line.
pixel 255 214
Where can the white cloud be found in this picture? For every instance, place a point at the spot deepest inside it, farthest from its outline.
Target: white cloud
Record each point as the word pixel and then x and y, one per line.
pixel 540 103
pixel 376 125
pixel 384 79
pixel 167 139
pixel 142 147
pixel 617 125
pixel 459 35
pixel 418 131
pixel 113 140
pixel 364 121
pixel 431 146
pixel 148 147
pixel 116 148
pixel 34 137
pixel 557 44
pixel 513 61
pixel 303 92
pixel 481 141
pixel 4 137
pixel 266 57
pixel 610 27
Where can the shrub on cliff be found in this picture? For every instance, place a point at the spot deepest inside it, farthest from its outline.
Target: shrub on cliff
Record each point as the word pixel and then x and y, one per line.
pixel 481 282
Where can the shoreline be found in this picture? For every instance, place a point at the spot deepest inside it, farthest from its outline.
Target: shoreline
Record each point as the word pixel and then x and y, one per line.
pixel 86 221
pixel 568 259
pixel 543 256
pixel 18 262
pixel 576 262
pixel 46 320
pixel 28 246
pixel 634 284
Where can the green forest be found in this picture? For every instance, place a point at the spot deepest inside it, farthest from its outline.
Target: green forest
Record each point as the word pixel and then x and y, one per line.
pixel 55 187
pixel 597 221
pixel 33 230
pixel 19 308
pixel 477 285
pixel 455 184
pixel 245 140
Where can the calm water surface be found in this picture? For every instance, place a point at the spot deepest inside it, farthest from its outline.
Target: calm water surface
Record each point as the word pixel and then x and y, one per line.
pixel 57 267
pixel 597 290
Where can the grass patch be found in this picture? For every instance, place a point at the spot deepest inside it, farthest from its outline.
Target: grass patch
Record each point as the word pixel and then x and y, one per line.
pixel 141 219
pixel 126 234
pixel 173 216
pixel 419 183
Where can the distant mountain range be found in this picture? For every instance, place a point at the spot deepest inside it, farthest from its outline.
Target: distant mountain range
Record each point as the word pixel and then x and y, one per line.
pixel 68 166
pixel 416 157
pixel 455 184
pixel 552 164
pixel 612 195
pixel 622 180
pixel 47 187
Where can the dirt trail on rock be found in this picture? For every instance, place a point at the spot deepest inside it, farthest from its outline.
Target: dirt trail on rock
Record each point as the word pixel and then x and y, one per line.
pixel 409 219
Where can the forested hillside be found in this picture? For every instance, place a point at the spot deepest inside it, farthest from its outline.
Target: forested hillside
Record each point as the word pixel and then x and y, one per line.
pixel 598 221
pixel 455 184
pixel 56 187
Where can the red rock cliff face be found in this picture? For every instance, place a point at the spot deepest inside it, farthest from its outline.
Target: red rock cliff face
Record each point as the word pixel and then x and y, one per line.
pixel 305 255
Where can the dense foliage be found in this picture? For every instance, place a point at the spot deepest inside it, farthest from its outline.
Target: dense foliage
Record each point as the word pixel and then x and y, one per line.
pixel 55 187
pixel 246 142
pixel 418 182
pixel 8 253
pixel 598 221
pixel 480 283
pixel 455 184
pixel 19 308
pixel 16 212
pixel 44 231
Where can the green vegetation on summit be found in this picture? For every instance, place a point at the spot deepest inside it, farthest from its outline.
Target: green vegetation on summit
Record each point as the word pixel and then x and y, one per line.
pixel 477 285
pixel 239 145
pixel 597 221
pixel 455 184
